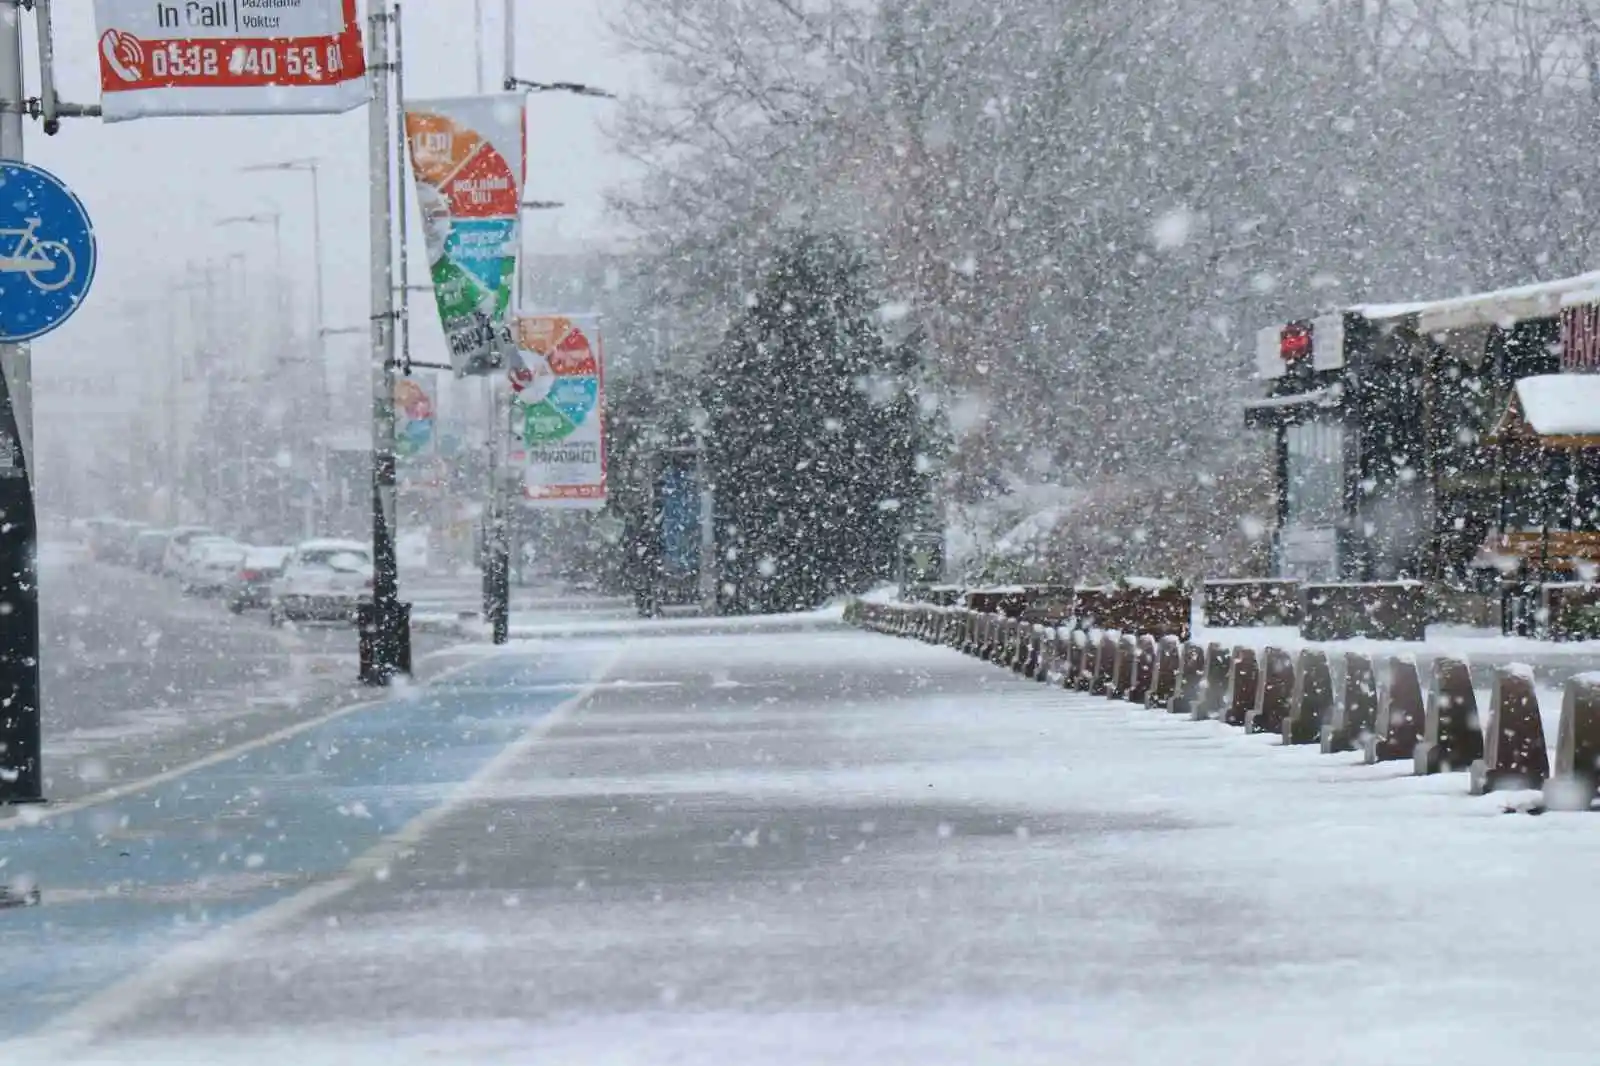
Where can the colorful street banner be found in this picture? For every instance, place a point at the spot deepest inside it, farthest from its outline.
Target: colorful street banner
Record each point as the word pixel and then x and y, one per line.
pixel 558 410
pixel 468 156
pixel 413 418
pixel 229 57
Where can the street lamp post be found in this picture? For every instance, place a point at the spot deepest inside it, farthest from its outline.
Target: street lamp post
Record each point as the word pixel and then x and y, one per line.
pixel 312 167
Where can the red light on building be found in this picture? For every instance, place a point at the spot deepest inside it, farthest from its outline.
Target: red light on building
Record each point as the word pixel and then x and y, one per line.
pixel 1294 343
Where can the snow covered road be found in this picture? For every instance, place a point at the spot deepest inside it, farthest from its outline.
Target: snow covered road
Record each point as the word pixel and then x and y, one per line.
pixel 828 846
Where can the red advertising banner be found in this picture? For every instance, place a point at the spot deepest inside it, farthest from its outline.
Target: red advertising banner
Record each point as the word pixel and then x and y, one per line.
pixel 229 57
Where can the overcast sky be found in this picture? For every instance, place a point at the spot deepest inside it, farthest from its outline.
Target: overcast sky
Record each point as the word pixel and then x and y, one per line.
pixel 155 188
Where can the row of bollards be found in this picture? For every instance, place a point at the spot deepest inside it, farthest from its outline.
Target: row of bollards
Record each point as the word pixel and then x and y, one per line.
pixel 1293 696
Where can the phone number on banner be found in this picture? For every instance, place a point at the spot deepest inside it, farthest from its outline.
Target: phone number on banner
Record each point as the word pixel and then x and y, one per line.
pixel 266 62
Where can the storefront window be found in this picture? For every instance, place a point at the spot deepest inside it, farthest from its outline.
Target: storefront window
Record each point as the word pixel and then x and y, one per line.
pixel 1315 485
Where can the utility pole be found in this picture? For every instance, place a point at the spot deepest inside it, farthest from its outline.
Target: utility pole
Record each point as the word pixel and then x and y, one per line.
pixel 386 627
pixel 497 416
pixel 21 773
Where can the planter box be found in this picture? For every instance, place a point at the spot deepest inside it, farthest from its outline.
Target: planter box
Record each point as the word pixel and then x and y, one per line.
pixel 1381 610
pixel 1563 606
pixel 1250 602
pixel 1154 609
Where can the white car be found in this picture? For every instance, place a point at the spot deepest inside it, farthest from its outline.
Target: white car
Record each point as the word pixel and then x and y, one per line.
pixel 324 580
pixel 209 564
pixel 172 559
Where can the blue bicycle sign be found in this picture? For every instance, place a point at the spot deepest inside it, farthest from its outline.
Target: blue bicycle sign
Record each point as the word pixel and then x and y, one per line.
pixel 49 265
pixel 47 252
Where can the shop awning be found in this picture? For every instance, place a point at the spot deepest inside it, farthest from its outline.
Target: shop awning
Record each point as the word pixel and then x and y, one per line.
pixel 1553 410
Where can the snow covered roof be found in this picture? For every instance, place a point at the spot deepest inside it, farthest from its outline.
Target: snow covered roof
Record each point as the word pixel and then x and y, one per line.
pixel 1561 405
pixel 1556 408
pixel 1540 300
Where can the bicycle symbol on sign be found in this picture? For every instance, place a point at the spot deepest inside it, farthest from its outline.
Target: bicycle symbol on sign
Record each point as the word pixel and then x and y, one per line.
pixel 50 265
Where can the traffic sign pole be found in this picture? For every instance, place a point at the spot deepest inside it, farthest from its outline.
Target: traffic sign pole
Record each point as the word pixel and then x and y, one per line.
pixel 389 639
pixel 21 776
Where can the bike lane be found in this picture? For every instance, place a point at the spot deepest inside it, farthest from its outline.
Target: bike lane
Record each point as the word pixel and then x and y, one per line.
pixel 125 882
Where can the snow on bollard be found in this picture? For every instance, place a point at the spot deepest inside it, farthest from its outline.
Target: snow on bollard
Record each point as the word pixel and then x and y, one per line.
pixel 1191 679
pixel 1243 678
pixel 1311 706
pixel 1169 653
pixel 1400 715
pixel 1077 654
pixel 1219 674
pixel 1105 663
pixel 1514 758
pixel 1027 644
pixel 1144 670
pixel 1577 774
pixel 1052 657
pixel 1122 667
pixel 1272 694
pixel 1357 711
pixel 1452 738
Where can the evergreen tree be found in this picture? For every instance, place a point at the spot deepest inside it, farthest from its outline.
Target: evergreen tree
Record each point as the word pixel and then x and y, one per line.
pixel 810 436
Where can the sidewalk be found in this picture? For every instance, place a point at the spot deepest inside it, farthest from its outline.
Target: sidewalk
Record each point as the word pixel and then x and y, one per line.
pixel 828 846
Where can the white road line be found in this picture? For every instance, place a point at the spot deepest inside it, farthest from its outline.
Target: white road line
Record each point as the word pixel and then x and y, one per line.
pixel 31 816
pixel 82 1025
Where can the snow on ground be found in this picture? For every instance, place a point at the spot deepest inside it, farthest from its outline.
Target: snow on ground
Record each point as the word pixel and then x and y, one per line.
pixel 1003 873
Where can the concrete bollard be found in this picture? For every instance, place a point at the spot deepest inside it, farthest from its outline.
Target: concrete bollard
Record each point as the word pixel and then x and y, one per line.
pixel 1356 713
pixel 1452 738
pixel 1273 693
pixel 1122 667
pixel 1514 756
pixel 1244 677
pixel 1105 664
pixel 1021 646
pixel 1032 649
pixel 1577 773
pixel 1169 653
pixel 1311 706
pixel 1191 679
pixel 1084 682
pixel 1054 663
pixel 1072 673
pixel 1219 673
pixel 1401 716
pixel 1144 669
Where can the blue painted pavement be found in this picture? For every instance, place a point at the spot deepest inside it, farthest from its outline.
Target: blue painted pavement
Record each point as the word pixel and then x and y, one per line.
pixel 125 882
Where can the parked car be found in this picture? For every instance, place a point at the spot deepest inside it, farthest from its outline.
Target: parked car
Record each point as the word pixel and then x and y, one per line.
pixel 149 548
pixel 324 580
pixel 111 539
pixel 178 546
pixel 210 564
pixel 251 585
